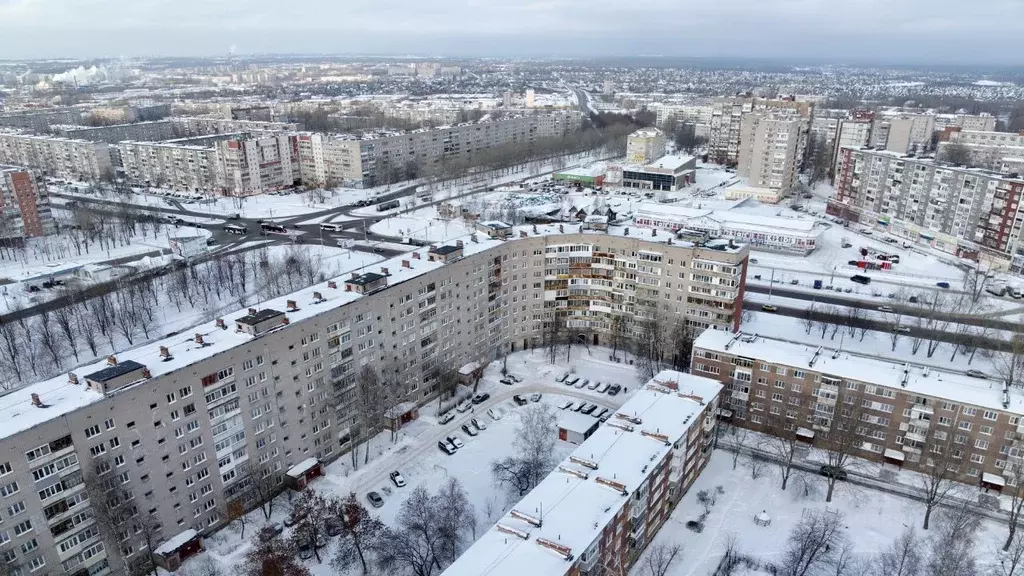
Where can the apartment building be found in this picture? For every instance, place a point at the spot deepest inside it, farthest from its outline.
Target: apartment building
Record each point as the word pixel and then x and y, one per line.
pixel 699 115
pixel 852 132
pixel 172 165
pixel 905 413
pixel 189 127
pixel 24 204
pixel 257 165
pixel 41 120
pixel 170 431
pixel 140 131
pixel 57 157
pixel 601 507
pixel 726 123
pixel 386 156
pixel 965 211
pixel 982 122
pixel 903 133
pixel 769 150
pixel 645 146
pixel 988 149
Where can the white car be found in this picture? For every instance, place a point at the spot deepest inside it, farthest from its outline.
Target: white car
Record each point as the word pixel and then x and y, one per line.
pixel 495 413
pixel 480 424
pixel 564 405
pixel 446 418
pixel 593 385
pixel 454 441
pixel 464 406
pixel 603 387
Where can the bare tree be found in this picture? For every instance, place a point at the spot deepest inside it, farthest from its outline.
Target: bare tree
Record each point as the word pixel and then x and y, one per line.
pixel 1015 471
pixel 64 317
pixel 454 515
pixel 534 444
pixel 938 477
pixel 952 552
pixel 649 342
pixel 838 436
pixel 272 557
pixel 413 544
pixel 360 532
pixel 1011 561
pixel 447 382
pixel 781 442
pixel 659 559
pixel 813 543
pixel 902 558
pixel 264 485
pixel 1010 363
pixel 371 406
pixel 957 154
pixel 310 511
pixel 234 511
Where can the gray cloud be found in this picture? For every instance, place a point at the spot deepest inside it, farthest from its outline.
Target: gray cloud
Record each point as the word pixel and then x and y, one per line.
pixel 884 30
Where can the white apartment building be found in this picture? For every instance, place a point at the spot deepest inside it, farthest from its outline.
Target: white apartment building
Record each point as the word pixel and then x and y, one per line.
pixel 769 150
pixel 141 131
pixel 982 122
pixel 851 133
pixel 57 157
pixel 726 123
pixel 988 148
pixel 257 165
pixel 170 431
pixel 605 503
pixel 903 133
pixel 174 166
pixel 645 146
pixel 970 212
pixel 189 127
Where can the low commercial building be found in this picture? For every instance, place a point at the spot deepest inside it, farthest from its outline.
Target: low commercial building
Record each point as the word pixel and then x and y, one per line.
pixel 591 176
pixel 64 158
pixel 668 173
pixel 768 233
pixel 24 204
pixel 744 192
pixel 899 413
pixel 606 502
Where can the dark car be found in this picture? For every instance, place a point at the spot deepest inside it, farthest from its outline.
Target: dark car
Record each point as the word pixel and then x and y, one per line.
pixel 375 499
pixel 615 389
pixel 479 398
pixel 832 472
pixel 270 531
pixel 333 526
pixel 942 284
pixel 446 447
pixel 519 400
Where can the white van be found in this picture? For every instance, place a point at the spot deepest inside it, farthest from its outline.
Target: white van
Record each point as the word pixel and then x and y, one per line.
pixel 331 227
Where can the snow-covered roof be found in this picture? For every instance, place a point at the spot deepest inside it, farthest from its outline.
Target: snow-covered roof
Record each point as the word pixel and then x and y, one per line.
pixel 994 479
pixel 949 385
pixel 893 454
pixel 683 215
pixel 592 170
pixel 576 422
pixel 575 503
pixel 302 467
pixel 17 413
pixel 672 162
pixel 176 542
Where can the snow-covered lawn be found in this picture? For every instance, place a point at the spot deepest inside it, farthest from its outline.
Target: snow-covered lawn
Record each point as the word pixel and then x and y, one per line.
pixel 422 224
pixel 872 518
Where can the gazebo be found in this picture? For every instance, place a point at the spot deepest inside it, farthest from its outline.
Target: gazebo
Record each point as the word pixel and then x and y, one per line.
pixel 762 519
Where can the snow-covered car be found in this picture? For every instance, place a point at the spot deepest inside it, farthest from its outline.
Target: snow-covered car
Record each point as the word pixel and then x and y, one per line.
pixel 446 418
pixel 593 385
pixel 464 406
pixel 589 409
pixel 603 387
pixel 600 413
pixel 469 430
pixel 506 382
pixel 454 441
pixel 513 377
pixel 446 447
pixel 582 383
pixel 270 531
pixel 572 380
pixel 495 413
pixel 885 309
pixel 480 424
pixel 535 397
pixel 520 400
pixel 976 374
pixel 397 479
pixel 564 405
pixel 481 398
pixel 615 389
pixel 562 378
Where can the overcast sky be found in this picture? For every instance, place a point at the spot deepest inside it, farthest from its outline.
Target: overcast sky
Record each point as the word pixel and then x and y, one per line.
pixel 898 31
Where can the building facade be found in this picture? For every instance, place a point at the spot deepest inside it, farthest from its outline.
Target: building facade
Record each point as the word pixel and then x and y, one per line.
pixel 605 503
pixel 667 173
pixel 41 120
pixel 769 148
pixel 173 166
pixel 57 157
pixel 258 165
pixel 903 133
pixel 851 133
pixel 726 123
pixel 24 204
pixel 904 413
pixel 988 149
pixel 141 131
pixel 955 209
pixel 645 146
pixel 161 437
pixel 189 127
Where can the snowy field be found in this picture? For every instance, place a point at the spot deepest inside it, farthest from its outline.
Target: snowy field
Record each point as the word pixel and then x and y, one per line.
pixel 415 453
pixel 872 518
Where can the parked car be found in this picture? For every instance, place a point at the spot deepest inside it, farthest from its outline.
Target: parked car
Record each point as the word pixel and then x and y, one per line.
pixel 506 382
pixel 942 284
pixel 292 519
pixel 270 531
pixel 520 400
pixel 794 281
pixel 600 413
pixel 902 329
pixel 832 472
pixel 446 418
pixel 593 385
pixel 396 479
pixel 885 309
pixel 480 424
pixel 464 406
pixel 606 417
pixel 481 398
pixel 913 299
pixel 446 447
pixel 562 378
pixel 579 407
pixel 375 499
pixel 572 380
pixel 847 290
pixel 495 413
pixel 333 526
pixel 582 383
pixel 769 308
pixel 469 430
pixel 615 389
pixel 589 409
pixel 564 405
pixel 305 551
pixel 455 441
pixel 603 387
pixel 513 377
pixel 976 374
pixel 535 397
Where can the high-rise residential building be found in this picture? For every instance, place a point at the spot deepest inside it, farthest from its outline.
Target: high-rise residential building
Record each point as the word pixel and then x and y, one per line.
pixel 969 212
pixel 645 146
pixel 988 149
pixel 903 133
pixel 40 120
pixel 980 122
pixel 769 150
pixel 140 131
pixel 175 166
pixel 726 122
pixel 607 500
pixel 24 203
pixel 193 126
pixel 899 414
pixel 259 164
pixel 177 427
pixel 852 132
pixel 57 157
pixel 531 98
pixel 697 115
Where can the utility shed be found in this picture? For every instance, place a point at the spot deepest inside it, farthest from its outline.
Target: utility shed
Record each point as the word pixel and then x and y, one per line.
pixel 257 322
pixel 173 552
pixel 116 375
pixel 575 427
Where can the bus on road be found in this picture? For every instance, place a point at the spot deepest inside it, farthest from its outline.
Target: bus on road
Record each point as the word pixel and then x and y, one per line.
pixel 276 228
pixel 389 205
pixel 331 227
pixel 236 229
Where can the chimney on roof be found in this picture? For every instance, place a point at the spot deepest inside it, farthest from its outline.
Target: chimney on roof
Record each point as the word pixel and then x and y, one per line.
pixel 199 339
pixel 291 305
pixel 473 238
pixel 72 378
pixel 406 264
pixel 164 352
pixel 384 270
pixel 221 324
pixel 146 373
pixel 561 229
pixel 252 311
pixel 332 284
pixel 36 401
pixel 284 320
pixel 318 297
pixel 354 276
pixel 458 243
pixel 416 255
pixel 112 360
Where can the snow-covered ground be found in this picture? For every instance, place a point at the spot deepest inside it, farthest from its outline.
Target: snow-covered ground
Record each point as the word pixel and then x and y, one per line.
pixel 416 456
pixel 872 519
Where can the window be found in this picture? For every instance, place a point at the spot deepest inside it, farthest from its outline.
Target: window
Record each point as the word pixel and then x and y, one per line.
pixel 38 452
pixel 986 430
pixel 9 489
pixel 981 444
pixel 15 509
pixel 36 563
pixel 172 398
pixel 109 424
pixel 29 546
pixel 185 392
pixel 92 430
pixel 5 469
pixel 964 425
pixel 114 443
pixel 968 411
pixel 23 528
pixel 990 415
pixel 978 458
